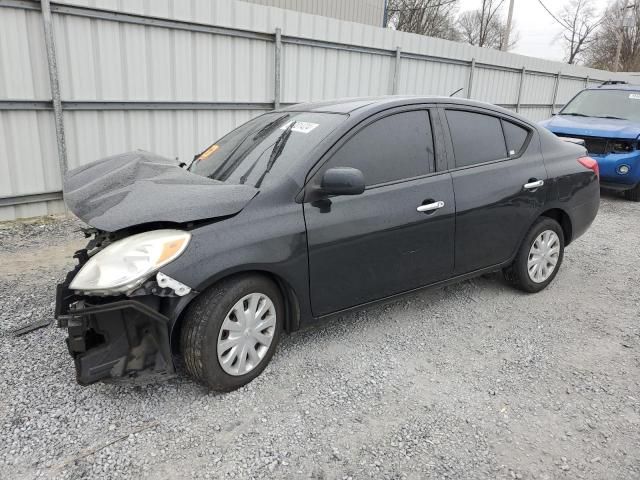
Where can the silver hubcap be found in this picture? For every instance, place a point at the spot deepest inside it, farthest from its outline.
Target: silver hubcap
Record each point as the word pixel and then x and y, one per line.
pixel 543 256
pixel 246 334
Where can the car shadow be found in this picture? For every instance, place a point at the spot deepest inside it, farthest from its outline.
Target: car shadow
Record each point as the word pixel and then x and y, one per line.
pixel 612 195
pixel 380 313
pixel 322 333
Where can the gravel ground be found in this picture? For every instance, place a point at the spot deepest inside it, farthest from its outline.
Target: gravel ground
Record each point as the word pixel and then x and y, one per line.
pixel 471 381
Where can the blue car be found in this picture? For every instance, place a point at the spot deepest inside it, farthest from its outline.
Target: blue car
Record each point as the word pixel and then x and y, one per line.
pixel 607 118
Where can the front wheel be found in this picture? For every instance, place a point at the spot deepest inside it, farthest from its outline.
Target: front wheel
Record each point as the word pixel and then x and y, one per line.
pixel 230 332
pixel 539 257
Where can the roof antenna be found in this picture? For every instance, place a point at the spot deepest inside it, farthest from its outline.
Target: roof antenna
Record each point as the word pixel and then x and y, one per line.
pixel 456 92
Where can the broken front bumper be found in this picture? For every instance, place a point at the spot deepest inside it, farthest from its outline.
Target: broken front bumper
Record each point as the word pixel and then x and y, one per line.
pixel 118 338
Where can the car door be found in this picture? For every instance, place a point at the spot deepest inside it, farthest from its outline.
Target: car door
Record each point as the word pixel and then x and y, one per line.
pixel 376 244
pixel 499 184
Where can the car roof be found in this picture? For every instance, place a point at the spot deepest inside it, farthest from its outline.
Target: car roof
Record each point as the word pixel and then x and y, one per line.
pixel 364 104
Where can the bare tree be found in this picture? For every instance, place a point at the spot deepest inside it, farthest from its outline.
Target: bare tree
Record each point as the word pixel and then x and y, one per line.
pixel 602 51
pixel 434 18
pixel 485 27
pixel 579 21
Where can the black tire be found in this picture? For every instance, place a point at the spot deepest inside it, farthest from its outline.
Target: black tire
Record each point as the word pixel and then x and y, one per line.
pixel 517 273
pixel 202 323
pixel 633 194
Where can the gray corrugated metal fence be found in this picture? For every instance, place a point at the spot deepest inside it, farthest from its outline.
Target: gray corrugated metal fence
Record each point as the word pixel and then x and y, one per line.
pixel 370 12
pixel 172 76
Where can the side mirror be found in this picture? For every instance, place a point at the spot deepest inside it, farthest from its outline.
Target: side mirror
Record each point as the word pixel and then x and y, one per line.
pixel 342 181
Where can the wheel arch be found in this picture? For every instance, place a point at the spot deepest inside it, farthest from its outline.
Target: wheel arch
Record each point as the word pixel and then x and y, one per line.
pixel 289 295
pixel 563 218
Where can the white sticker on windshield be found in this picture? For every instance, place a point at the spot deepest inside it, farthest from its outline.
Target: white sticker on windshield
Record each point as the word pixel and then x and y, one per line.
pixel 301 127
pixel 634 96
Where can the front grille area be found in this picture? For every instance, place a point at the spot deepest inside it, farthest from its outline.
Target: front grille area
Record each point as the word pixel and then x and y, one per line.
pixel 596 145
pixel 603 146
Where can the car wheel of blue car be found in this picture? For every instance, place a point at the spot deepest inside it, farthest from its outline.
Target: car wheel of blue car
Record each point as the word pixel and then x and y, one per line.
pixel 633 194
pixel 231 331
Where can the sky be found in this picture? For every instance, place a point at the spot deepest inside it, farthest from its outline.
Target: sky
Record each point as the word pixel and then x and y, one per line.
pixel 539 33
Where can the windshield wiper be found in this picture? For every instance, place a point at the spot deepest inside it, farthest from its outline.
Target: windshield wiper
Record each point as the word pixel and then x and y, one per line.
pixel 268 126
pixel 575 114
pixel 244 177
pixel 260 134
pixel 275 153
pixel 611 117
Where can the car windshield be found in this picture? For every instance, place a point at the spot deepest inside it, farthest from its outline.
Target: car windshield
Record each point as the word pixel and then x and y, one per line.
pixel 613 104
pixel 264 147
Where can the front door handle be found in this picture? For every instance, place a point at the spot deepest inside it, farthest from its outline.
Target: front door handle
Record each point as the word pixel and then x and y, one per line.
pixel 430 207
pixel 533 185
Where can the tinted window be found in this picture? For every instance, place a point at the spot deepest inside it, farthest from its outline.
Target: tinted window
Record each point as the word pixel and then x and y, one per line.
pixel 393 148
pixel 515 137
pixel 476 137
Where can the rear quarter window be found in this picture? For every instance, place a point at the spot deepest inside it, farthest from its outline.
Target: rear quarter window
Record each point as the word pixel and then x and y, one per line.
pixel 515 136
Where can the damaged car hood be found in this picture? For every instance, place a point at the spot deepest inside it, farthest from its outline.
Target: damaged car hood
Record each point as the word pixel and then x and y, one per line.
pixel 141 187
pixel 593 127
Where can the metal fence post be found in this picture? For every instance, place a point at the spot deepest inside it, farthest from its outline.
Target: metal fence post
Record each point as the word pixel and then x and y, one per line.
pixel 396 71
pixel 278 62
pixel 586 82
pixel 520 88
pixel 555 93
pixel 472 70
pixel 55 86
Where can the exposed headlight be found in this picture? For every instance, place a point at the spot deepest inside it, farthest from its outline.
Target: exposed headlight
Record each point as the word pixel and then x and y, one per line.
pixel 620 146
pixel 127 263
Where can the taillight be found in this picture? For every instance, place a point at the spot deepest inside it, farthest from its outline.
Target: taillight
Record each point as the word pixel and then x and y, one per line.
pixel 591 164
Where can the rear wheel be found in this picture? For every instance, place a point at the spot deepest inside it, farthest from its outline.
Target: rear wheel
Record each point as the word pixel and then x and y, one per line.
pixel 230 332
pixel 537 262
pixel 633 194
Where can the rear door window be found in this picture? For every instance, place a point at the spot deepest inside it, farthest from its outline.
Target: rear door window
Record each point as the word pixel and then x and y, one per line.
pixel 476 137
pixel 393 148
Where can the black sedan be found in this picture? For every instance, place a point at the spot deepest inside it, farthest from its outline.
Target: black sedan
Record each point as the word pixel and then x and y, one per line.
pixel 304 213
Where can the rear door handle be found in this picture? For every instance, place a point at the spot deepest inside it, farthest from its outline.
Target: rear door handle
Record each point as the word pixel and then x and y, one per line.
pixel 533 185
pixel 430 207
